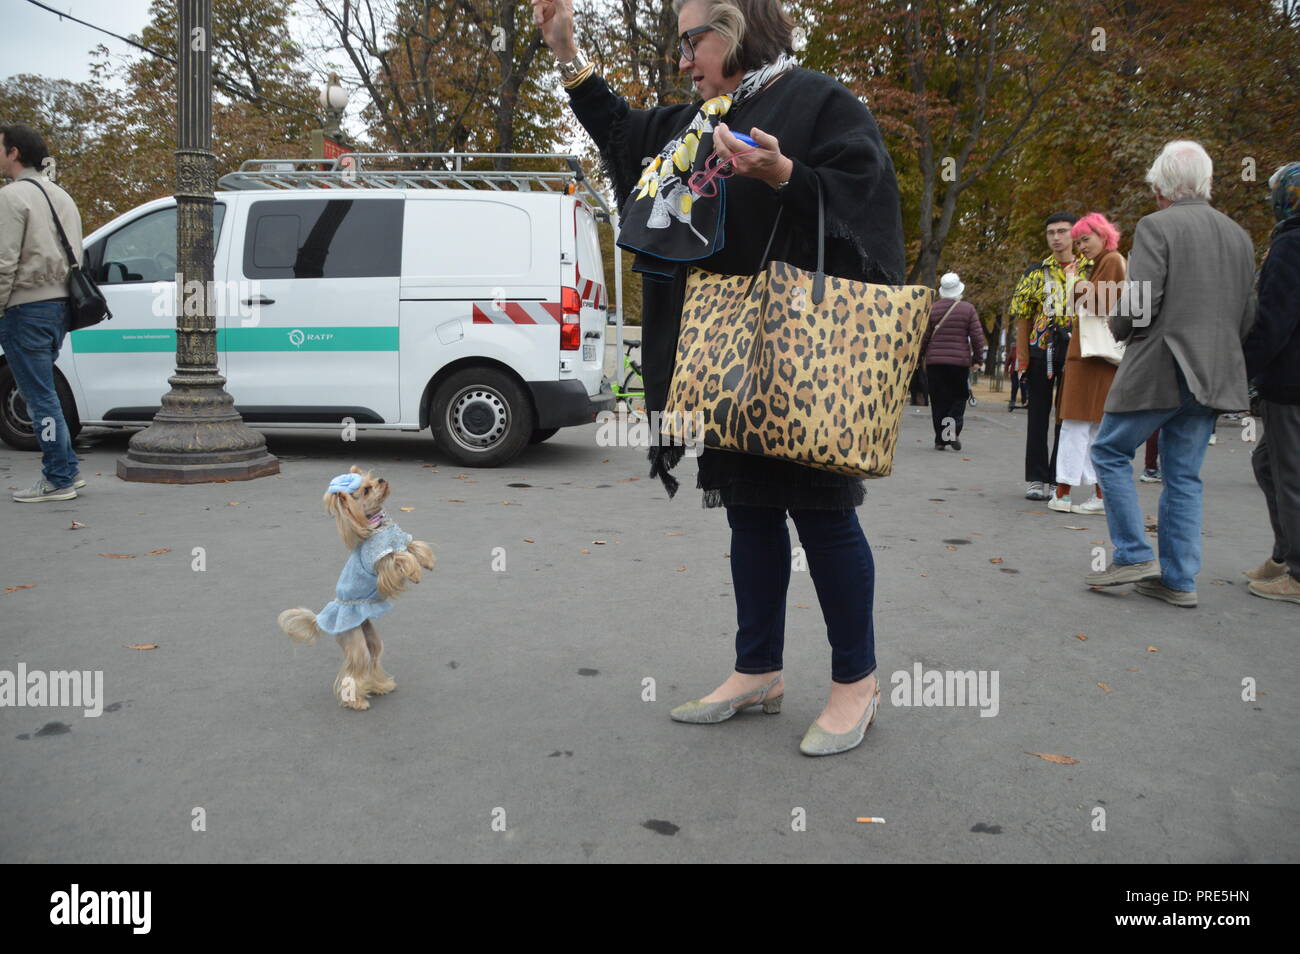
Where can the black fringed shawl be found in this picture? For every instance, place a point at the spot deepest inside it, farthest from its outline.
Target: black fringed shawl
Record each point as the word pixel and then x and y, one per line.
pixel 827 133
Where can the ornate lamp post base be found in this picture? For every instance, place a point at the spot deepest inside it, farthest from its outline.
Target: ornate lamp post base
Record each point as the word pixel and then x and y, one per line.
pixel 196 437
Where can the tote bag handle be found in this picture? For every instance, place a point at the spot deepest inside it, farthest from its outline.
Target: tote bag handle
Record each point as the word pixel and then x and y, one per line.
pixel 819 278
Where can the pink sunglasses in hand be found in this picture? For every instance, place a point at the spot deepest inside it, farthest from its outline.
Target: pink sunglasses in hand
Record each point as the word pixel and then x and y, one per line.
pixel 703 183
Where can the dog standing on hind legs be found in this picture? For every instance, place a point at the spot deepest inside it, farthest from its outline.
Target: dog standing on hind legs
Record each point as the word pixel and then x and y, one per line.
pixel 382 560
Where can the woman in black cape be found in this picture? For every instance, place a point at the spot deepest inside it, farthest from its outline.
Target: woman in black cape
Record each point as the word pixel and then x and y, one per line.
pixel 807 127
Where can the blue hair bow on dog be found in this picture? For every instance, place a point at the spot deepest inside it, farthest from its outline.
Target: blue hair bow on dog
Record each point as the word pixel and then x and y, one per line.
pixel 345 484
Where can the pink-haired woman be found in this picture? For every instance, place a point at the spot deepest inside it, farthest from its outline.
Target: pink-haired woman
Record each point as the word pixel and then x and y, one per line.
pixel 1087 380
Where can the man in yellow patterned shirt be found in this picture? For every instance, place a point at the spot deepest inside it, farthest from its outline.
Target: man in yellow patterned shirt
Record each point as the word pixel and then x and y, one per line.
pixel 1041 310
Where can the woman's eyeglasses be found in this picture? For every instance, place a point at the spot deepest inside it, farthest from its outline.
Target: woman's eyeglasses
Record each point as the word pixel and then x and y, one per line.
pixel 703 183
pixel 688 45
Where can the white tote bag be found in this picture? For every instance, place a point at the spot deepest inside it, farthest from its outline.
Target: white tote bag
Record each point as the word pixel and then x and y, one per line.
pixel 1095 339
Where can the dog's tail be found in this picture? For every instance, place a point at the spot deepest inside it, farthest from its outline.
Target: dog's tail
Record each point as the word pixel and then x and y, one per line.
pixel 300 624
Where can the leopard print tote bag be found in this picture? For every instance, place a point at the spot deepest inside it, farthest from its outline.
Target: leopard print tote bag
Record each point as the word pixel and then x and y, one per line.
pixel 799 365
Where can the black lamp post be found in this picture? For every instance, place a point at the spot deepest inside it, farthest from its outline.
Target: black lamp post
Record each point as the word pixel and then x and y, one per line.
pixel 197 436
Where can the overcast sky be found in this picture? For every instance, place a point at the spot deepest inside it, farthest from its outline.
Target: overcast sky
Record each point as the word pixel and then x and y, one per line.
pixel 33 40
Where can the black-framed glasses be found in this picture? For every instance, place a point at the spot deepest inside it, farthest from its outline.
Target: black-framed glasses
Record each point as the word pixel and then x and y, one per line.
pixel 687 45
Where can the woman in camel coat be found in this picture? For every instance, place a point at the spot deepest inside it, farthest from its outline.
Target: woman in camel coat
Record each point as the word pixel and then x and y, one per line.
pixel 1087 380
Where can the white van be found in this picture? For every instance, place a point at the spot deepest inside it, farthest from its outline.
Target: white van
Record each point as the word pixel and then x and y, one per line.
pixel 363 290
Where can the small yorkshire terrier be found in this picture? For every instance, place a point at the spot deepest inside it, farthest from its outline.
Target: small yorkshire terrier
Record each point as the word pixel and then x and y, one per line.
pixel 383 560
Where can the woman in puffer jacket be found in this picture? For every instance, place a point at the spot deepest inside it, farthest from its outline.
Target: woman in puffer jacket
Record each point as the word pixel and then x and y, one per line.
pixel 954 343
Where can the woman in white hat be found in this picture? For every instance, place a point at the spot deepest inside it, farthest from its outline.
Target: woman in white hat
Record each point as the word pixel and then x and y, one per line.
pixel 953 343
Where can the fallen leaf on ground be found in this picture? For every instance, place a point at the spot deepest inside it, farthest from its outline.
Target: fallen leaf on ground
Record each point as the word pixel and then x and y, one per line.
pixel 1058 759
pixel 674 533
pixel 76 526
pixel 529 540
pixel 681 569
pixel 406 509
pixel 450 500
pixel 1130 670
pixel 604 460
pixel 1104 687
pixel 1068 527
pixel 584 550
pixel 600 543
pixel 1152 649
pixel 20 586
pixel 995 559
pixel 800 605
pixel 143 646
pixel 1097 543
pixel 233 503
pixel 965 458
pixel 119 556
pixel 156 552
pixel 1081 636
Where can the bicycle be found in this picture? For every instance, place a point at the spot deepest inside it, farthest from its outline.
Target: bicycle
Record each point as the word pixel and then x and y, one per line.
pixel 633 386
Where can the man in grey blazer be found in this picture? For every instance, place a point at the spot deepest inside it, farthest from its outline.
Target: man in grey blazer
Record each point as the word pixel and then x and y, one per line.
pixel 1186 309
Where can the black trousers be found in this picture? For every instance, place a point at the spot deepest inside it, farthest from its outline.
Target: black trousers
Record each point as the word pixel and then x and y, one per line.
pixel 949 389
pixel 1277 471
pixel 1039 465
pixel 918 387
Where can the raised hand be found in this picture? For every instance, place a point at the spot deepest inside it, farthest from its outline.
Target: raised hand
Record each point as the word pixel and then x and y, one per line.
pixel 555 19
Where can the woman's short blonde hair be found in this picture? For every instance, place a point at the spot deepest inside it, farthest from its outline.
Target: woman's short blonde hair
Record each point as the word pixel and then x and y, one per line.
pixel 755 32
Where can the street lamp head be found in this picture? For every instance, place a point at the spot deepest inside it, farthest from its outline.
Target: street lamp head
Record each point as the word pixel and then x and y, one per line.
pixel 334 97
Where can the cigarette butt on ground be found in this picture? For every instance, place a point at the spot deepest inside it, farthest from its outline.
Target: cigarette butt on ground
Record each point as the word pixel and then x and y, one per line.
pixel 871 821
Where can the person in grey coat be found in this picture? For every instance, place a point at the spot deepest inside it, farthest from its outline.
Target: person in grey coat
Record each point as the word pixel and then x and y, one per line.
pixel 1187 307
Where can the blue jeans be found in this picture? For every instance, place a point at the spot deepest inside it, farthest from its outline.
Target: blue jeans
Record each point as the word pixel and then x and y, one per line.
pixel 31 336
pixel 1184 433
pixel 843 572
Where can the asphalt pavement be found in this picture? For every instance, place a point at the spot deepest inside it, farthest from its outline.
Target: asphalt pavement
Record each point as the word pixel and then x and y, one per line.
pixel 531 719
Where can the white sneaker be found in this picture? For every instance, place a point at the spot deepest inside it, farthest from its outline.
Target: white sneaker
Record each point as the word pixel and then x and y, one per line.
pixel 1213 438
pixel 1095 505
pixel 1036 491
pixel 43 490
pixel 1059 503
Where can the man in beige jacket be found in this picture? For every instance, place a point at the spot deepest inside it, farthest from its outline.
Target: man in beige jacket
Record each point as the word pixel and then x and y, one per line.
pixel 34 301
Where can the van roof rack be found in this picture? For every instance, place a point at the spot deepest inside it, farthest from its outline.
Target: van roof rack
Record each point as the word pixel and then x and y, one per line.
pixel 375 170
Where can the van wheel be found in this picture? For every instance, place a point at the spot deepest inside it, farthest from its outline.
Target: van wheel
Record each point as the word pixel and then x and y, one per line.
pixel 543 434
pixel 16 424
pixel 481 417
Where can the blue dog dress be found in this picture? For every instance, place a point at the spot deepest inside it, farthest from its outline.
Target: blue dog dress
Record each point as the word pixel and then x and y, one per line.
pixel 357 594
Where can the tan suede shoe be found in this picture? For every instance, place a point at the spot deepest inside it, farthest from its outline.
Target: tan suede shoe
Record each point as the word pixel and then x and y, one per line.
pixel 1270 569
pixel 1285 587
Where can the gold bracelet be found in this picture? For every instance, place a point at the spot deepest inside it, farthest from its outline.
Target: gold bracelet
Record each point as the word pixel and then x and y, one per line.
pixel 581 77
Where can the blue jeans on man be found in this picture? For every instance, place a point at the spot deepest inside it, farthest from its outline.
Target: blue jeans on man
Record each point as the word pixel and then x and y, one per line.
pixel 31 336
pixel 1184 434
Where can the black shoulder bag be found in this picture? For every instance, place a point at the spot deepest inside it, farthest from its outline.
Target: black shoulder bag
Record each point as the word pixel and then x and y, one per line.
pixel 86 304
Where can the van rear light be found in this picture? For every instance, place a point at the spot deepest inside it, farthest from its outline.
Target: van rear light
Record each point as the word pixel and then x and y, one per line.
pixel 570 319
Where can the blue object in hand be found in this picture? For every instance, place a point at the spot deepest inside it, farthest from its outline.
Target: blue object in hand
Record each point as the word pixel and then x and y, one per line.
pixel 745 139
